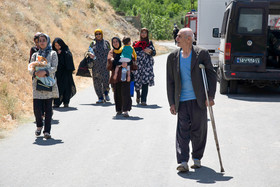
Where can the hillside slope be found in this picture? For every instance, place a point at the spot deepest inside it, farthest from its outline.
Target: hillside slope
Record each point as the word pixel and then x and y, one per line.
pixel 72 20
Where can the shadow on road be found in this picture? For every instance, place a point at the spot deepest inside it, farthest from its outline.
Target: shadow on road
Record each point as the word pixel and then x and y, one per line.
pixel 205 175
pixel 55 121
pixel 65 109
pixel 155 106
pixel 254 94
pixel 133 118
pixel 43 142
pixel 100 104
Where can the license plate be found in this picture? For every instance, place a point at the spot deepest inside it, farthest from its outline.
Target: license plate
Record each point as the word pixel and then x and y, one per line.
pixel 248 60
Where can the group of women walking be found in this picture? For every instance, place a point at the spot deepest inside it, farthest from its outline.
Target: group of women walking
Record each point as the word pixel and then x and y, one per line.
pixel 60 66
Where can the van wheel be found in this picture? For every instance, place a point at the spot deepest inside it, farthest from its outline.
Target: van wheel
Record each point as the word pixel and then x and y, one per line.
pixel 223 82
pixel 233 86
pixel 223 86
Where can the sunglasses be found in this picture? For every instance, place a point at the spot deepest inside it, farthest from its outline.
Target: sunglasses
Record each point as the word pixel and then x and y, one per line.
pixel 98 34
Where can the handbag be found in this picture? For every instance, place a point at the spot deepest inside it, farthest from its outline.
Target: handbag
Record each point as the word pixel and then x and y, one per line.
pixel 134 66
pixel 42 87
pixel 85 64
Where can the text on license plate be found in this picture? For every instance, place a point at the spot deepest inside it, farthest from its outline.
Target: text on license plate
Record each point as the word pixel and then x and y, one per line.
pixel 247 60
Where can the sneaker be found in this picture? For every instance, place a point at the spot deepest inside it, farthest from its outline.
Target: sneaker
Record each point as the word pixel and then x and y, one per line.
pixel 66 105
pixel 183 167
pixel 100 101
pixel 55 106
pixel 38 132
pixel 137 100
pixel 144 104
pixel 196 164
pixel 125 114
pixel 47 135
pixel 107 98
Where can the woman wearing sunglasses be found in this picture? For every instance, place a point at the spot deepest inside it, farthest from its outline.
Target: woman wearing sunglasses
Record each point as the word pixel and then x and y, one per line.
pixel 99 49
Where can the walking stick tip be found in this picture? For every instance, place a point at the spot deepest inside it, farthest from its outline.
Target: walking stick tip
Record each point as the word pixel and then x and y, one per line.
pixel 222 170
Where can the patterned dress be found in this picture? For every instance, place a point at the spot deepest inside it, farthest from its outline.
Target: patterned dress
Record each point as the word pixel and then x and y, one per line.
pixel 145 62
pixel 100 74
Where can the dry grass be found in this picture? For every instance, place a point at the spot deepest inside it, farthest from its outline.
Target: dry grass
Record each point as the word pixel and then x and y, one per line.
pixel 73 20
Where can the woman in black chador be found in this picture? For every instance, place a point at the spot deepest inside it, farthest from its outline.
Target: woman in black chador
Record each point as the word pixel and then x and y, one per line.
pixel 65 68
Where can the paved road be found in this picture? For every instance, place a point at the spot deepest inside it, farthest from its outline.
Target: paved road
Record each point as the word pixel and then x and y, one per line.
pixel 91 147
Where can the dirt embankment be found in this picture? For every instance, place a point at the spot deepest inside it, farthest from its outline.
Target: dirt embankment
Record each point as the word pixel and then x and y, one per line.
pixel 72 20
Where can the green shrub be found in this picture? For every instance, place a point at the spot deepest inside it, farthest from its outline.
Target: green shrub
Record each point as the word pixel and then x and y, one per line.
pixel 156 15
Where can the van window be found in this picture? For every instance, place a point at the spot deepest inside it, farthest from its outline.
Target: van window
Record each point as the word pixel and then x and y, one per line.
pixel 224 25
pixel 250 21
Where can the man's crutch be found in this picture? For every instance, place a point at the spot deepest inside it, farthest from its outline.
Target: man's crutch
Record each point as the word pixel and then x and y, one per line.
pixel 202 67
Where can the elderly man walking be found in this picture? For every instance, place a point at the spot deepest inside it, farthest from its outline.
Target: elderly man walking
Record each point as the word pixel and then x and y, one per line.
pixel 186 97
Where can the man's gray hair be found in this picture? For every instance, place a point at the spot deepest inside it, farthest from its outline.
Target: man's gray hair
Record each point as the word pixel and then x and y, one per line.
pixel 191 35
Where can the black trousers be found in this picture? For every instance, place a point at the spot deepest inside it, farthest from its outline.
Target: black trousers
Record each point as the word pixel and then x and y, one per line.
pixel 143 94
pixel 38 104
pixel 191 126
pixel 122 96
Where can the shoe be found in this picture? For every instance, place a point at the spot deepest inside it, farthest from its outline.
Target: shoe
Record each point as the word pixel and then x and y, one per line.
pixel 55 106
pixel 144 104
pixel 107 98
pixel 100 101
pixel 125 114
pixel 137 101
pixel 197 164
pixel 38 132
pixel 47 135
pixel 183 167
pixel 66 105
pixel 119 113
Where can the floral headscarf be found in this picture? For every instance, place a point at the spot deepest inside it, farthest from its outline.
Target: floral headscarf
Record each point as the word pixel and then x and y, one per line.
pixel 45 52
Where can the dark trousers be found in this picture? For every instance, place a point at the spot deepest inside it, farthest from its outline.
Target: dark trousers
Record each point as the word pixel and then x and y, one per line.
pixel 122 96
pixel 38 104
pixel 191 126
pixel 143 94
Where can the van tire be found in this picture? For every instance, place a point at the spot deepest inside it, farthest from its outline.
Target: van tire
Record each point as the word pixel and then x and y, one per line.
pixel 223 86
pixel 223 82
pixel 233 86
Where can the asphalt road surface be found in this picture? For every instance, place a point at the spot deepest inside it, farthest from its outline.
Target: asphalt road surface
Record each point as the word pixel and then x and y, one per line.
pixel 90 146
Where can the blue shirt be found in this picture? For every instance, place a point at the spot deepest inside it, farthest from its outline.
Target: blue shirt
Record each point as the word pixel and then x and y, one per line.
pixel 187 92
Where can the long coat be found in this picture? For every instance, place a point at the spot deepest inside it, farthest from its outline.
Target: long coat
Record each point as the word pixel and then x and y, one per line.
pixel 174 86
pixel 64 75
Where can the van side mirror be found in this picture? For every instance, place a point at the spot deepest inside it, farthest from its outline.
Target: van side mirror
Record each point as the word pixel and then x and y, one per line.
pixel 216 33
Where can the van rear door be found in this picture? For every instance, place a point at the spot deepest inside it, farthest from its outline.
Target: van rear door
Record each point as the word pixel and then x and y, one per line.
pixel 247 38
